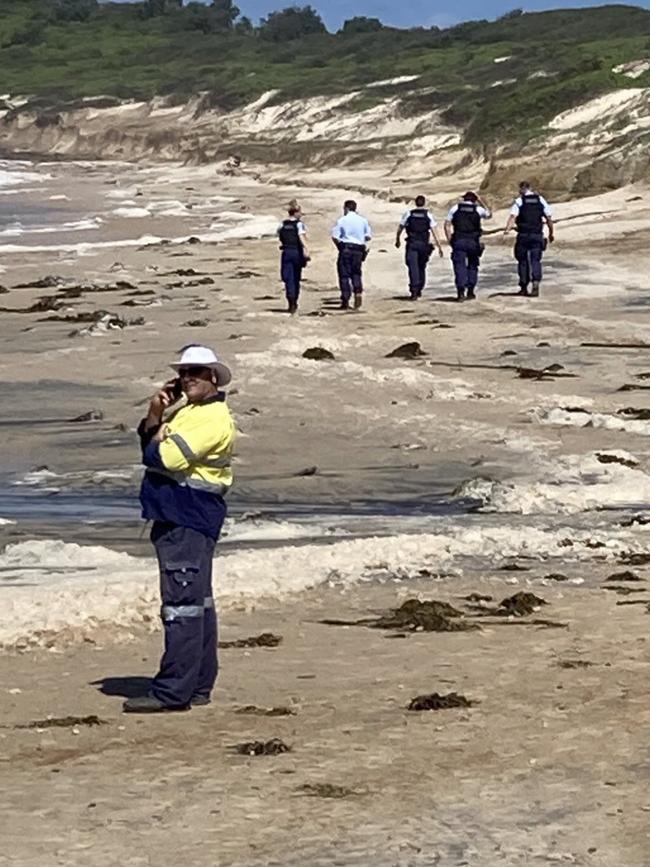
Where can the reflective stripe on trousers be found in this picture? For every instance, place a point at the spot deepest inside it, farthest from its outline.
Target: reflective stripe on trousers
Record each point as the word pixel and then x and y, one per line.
pixel 189 663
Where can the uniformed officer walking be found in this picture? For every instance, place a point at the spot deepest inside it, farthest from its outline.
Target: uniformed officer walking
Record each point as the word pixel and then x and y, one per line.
pixel 463 231
pixel 350 236
pixel 292 233
pixel 528 214
pixel 187 475
pixel 421 238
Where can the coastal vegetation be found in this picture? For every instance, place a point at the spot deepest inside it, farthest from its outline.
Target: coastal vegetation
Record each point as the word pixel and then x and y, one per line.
pixel 507 76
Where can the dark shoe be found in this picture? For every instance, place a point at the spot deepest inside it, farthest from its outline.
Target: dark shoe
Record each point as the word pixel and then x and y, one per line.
pixel 200 700
pixel 345 305
pixel 293 309
pixel 470 295
pixel 523 291
pixel 535 290
pixel 358 300
pixel 460 297
pixel 149 704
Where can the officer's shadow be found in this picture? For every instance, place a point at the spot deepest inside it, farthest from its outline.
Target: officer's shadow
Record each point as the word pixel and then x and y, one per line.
pixel 447 299
pixel 128 687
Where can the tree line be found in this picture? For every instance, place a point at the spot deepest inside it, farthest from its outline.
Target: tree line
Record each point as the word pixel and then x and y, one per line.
pixel 219 16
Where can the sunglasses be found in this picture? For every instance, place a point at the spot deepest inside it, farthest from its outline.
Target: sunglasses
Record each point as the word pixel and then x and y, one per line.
pixel 191 371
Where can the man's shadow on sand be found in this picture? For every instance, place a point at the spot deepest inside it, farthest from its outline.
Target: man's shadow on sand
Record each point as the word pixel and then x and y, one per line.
pixel 128 687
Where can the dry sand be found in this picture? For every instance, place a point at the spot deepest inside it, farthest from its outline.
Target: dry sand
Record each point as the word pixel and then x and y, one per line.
pixel 550 765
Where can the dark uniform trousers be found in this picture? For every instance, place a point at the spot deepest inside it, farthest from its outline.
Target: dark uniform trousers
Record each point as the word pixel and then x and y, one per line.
pixel 189 664
pixel 465 257
pixel 349 267
pixel 417 258
pixel 529 248
pixel 291 266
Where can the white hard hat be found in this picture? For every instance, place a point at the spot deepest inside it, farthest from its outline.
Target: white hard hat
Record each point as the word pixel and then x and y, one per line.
pixel 196 355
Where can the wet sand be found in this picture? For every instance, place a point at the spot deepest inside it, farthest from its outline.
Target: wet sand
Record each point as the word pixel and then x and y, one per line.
pixel 549 765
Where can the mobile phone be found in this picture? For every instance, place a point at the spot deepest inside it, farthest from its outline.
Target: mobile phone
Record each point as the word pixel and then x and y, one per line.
pixel 175 390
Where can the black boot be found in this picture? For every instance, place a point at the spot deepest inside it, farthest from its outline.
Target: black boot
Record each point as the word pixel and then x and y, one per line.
pixel 149 704
pixel 460 296
pixel 293 308
pixel 535 290
pixel 523 291
pixel 345 304
pixel 470 295
pixel 358 300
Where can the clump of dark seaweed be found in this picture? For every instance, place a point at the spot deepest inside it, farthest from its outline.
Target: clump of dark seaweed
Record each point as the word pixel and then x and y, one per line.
pixel 520 605
pixel 436 701
pixel 326 790
pixel 627 575
pixel 408 351
pixel 266 639
pixel 253 710
pixel 575 663
pixel 64 722
pixel 318 353
pixel 274 747
pixel 414 615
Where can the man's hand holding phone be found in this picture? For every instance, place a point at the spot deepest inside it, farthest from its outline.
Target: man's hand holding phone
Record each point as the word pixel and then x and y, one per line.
pixel 168 394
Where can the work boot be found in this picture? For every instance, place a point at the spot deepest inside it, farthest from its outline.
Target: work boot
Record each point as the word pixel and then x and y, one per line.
pixel 523 291
pixel 535 290
pixel 344 305
pixel 293 308
pixel 460 296
pixel 470 295
pixel 358 300
pixel 148 704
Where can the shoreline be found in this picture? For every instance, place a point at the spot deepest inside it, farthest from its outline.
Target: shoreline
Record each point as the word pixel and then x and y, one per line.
pixel 461 417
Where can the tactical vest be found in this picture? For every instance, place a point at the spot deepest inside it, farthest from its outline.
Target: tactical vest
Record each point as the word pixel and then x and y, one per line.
pixel 466 221
pixel 418 225
pixel 289 238
pixel 531 212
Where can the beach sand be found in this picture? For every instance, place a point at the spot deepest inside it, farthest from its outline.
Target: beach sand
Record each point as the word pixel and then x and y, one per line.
pixel 549 765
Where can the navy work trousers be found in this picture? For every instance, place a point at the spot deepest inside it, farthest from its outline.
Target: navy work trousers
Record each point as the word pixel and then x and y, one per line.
pixel 465 257
pixel 291 266
pixel 189 664
pixel 349 267
pixel 417 258
pixel 529 249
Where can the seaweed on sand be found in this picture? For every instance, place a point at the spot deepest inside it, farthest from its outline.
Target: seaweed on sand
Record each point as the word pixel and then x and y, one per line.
pixel 274 747
pixel 435 701
pixel 520 604
pixel 64 722
pixel 414 615
pixel 266 639
pixel 326 790
pixel 253 710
